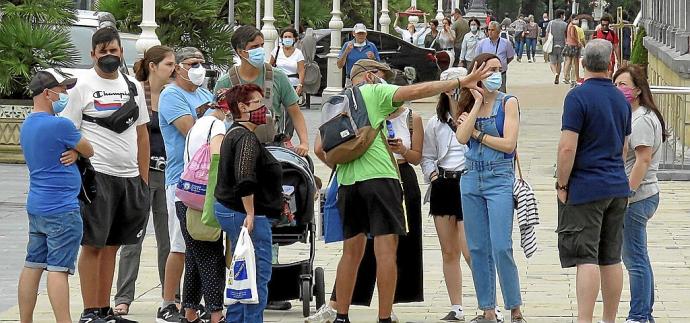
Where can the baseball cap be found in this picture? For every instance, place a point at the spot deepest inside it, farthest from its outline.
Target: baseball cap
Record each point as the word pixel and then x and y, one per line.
pixel 359 28
pixel 365 65
pixel 187 52
pixel 48 79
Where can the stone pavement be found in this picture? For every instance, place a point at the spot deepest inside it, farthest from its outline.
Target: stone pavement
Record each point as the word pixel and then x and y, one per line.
pixel 548 291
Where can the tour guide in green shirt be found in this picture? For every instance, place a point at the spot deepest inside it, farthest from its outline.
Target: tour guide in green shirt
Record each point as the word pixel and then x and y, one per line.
pixel 370 195
pixel 248 42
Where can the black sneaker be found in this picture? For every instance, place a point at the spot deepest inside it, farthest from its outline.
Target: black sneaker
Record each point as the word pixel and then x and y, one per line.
pixel 168 314
pixel 278 306
pixel 198 320
pixel 91 317
pixel 453 317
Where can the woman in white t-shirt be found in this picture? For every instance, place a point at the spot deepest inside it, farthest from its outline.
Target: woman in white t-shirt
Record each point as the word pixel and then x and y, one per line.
pixel 290 59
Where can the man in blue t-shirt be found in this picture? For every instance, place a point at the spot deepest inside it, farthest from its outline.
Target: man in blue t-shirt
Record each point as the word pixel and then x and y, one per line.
pixel 180 104
pixel 356 49
pixel 592 187
pixel 51 146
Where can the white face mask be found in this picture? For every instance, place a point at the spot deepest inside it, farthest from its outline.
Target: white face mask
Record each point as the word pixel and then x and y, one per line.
pixel 196 75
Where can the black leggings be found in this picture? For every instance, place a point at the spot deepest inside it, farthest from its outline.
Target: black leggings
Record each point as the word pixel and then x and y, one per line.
pixel 410 287
pixel 204 269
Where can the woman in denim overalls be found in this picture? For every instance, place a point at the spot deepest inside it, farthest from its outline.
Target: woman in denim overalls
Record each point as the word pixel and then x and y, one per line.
pixel 489 126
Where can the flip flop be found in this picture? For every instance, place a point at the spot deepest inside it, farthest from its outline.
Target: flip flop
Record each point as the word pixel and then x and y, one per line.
pixel 121 309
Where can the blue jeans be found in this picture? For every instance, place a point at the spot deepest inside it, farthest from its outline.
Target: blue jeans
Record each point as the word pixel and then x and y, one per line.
pixel 231 222
pixel 487 207
pixel 519 45
pixel 54 241
pixel 636 258
pixel 531 48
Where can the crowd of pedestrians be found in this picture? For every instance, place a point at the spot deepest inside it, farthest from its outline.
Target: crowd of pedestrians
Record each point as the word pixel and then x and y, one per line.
pixel 137 136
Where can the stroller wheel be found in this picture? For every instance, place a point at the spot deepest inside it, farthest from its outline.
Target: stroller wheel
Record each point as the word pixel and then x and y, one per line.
pixel 306 297
pixel 319 287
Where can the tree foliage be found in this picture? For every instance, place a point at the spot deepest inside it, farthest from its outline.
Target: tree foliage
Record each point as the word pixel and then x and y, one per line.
pixel 181 23
pixel 639 53
pixel 34 36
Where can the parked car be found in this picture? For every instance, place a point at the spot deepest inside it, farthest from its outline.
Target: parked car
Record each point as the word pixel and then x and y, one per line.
pixel 393 50
pixel 81 33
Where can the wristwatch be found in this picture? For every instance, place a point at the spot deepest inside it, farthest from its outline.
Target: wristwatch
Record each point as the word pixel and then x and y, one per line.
pixel 561 187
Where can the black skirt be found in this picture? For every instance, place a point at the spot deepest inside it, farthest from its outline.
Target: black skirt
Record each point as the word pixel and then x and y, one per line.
pixel 445 198
pixel 410 285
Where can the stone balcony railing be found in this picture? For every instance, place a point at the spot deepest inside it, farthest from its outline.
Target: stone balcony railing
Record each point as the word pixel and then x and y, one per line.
pixel 667 23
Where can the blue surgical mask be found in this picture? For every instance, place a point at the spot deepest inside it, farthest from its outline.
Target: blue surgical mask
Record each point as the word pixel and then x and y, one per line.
pixel 61 103
pixel 493 82
pixel 257 57
pixel 288 42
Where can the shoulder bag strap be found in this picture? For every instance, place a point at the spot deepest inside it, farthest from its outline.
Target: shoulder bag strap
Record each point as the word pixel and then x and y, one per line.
pixel 234 76
pixel 208 137
pixel 410 125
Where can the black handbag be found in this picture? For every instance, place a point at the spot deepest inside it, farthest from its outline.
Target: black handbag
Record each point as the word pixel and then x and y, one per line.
pixel 88 191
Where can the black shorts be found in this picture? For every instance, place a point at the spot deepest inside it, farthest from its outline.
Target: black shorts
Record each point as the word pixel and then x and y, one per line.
pixel 118 213
pixel 373 207
pixel 445 198
pixel 591 233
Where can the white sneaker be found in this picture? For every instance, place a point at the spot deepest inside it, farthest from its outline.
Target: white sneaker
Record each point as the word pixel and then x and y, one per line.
pixel 326 314
pixel 499 315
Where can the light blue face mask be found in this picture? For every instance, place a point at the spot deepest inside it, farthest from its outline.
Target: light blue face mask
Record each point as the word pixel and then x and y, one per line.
pixel 288 42
pixel 493 82
pixel 61 103
pixel 257 57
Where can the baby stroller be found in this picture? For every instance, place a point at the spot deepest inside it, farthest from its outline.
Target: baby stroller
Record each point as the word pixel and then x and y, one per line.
pixel 297 280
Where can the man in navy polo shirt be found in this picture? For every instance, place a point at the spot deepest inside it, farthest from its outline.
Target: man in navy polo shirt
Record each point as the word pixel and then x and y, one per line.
pixel 592 187
pixel 356 49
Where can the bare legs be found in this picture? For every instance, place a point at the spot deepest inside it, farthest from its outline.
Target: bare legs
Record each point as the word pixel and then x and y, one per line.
pixel 96 271
pixel 58 293
pixel 589 278
pixel 451 236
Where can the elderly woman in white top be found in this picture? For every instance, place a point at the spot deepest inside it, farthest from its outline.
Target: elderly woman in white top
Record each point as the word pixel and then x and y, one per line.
pixel 443 159
pixel 290 59
pixel 410 35
pixel 469 43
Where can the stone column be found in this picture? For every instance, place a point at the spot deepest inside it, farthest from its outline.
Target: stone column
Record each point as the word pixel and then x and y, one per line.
pixel 335 75
pixel 148 37
pixel 385 19
pixel 439 10
pixel 269 30
pixel 413 19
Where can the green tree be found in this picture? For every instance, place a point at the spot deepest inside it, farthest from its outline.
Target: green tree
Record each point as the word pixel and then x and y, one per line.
pixel 34 36
pixel 181 23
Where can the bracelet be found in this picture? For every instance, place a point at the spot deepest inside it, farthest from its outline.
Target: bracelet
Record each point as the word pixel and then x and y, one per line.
pixel 481 136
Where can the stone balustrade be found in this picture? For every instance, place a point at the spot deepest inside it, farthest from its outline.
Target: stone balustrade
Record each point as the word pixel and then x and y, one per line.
pixel 667 23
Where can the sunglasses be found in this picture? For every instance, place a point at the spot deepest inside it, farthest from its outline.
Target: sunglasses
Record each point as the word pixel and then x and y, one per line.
pixel 193 65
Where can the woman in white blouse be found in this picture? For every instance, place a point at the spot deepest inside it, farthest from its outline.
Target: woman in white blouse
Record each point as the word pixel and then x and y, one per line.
pixel 443 160
pixel 410 35
pixel 469 43
pixel 290 59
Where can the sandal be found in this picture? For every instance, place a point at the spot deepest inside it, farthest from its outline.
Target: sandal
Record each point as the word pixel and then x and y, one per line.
pixel 121 309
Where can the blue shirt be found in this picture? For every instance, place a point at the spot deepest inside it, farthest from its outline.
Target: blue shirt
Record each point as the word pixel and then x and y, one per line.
pixel 175 102
pixel 358 53
pixel 599 113
pixel 503 48
pixel 53 187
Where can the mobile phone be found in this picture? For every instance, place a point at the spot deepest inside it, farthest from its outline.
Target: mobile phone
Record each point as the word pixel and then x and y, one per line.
pixel 201 110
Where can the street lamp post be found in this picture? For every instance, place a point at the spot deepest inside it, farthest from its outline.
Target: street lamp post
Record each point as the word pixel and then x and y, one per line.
pixel 439 10
pixel 385 18
pixel 269 30
pixel 335 76
pixel 413 19
pixel 148 37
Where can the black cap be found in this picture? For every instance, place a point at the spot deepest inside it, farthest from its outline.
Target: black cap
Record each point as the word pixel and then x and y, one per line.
pixel 48 79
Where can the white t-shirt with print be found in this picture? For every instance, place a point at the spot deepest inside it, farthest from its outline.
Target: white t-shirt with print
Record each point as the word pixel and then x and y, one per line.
pixel 289 64
pixel 115 154
pixel 198 135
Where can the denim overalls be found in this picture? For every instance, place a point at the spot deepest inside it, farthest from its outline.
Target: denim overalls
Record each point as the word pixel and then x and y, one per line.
pixel 487 207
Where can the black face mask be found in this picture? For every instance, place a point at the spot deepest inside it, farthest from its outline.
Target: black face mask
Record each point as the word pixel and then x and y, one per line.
pixel 109 63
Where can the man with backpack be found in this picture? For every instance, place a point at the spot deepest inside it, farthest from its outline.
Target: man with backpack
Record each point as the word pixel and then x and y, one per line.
pixel 605 32
pixel 181 103
pixel 370 194
pixel 280 97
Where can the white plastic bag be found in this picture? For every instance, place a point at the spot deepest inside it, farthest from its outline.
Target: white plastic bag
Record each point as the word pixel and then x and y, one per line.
pixel 240 286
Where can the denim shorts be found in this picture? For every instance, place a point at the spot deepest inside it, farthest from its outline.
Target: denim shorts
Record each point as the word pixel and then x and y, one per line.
pixel 54 241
